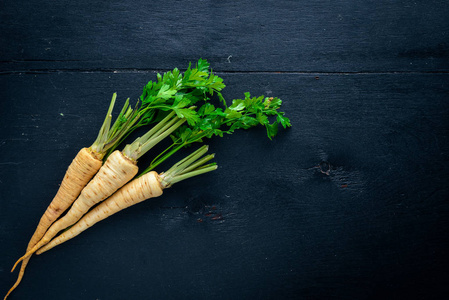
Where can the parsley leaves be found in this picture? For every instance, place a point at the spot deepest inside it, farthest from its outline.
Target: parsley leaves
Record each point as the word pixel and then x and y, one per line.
pixel 217 121
pixel 176 91
pixel 172 91
pixel 186 95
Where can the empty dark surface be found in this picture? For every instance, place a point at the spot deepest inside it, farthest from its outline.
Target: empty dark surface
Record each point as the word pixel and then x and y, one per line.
pixel 352 202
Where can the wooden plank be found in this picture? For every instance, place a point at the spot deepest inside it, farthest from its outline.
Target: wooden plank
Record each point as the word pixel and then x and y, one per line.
pixel 294 36
pixel 269 223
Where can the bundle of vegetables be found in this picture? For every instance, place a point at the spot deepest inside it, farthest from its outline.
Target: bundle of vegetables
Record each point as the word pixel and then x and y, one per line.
pixel 172 91
pixel 168 102
pixel 147 186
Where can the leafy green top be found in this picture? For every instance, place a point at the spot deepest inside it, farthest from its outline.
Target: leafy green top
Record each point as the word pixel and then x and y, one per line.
pixel 169 100
pixel 177 92
pixel 172 91
pixel 242 114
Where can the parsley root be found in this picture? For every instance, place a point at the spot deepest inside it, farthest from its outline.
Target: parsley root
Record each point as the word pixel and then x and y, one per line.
pixel 144 187
pixel 83 167
pixel 170 102
pixel 172 91
pixel 113 174
pixel 118 169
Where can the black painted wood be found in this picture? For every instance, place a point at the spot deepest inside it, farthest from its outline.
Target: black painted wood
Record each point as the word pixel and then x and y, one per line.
pixel 269 222
pixel 350 203
pixel 325 36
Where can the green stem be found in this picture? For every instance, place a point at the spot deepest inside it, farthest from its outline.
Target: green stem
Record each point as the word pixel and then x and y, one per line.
pixel 125 112
pixel 163 153
pixel 97 146
pixel 126 134
pixel 159 137
pixel 183 163
pixel 110 136
pixel 120 130
pixel 160 127
pixel 182 177
pixel 162 157
pixel 192 165
pixel 144 143
pixel 199 163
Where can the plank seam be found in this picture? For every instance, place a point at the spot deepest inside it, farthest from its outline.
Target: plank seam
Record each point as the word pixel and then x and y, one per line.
pixel 124 70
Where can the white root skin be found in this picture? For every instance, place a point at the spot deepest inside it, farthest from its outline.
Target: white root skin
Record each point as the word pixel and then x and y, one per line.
pixel 138 190
pixel 116 172
pixel 81 170
pixel 83 167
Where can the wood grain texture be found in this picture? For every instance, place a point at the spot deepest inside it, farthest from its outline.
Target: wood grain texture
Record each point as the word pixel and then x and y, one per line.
pixel 306 36
pixel 350 203
pixel 269 223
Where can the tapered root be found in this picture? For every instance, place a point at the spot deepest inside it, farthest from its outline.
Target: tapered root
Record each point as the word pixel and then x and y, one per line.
pixel 79 173
pixel 19 278
pixel 115 172
pixel 18 261
pixel 140 189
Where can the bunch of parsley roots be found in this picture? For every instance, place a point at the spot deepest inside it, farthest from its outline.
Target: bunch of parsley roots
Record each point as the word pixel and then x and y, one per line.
pixel 104 179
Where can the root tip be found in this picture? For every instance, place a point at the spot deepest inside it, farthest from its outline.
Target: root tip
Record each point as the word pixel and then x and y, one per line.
pixel 9 292
pixel 15 265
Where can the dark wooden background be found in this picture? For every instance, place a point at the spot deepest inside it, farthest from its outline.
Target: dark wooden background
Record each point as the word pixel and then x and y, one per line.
pixel 365 84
